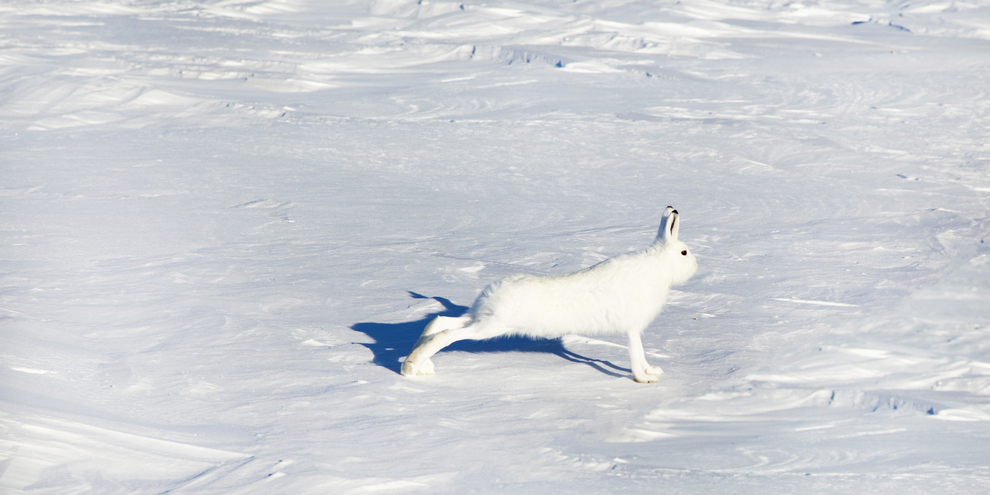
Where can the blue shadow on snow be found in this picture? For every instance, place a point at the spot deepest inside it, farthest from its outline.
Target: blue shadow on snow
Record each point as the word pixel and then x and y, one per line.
pixel 394 341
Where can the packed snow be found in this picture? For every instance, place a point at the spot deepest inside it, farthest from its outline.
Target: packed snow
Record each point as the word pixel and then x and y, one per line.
pixel 223 225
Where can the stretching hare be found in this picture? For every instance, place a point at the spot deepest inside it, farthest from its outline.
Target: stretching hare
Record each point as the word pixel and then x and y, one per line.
pixel 619 295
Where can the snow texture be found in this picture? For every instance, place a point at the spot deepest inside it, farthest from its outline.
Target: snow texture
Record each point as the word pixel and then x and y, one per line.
pixel 224 223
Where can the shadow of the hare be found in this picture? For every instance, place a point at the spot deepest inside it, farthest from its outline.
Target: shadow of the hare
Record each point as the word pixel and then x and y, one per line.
pixel 394 341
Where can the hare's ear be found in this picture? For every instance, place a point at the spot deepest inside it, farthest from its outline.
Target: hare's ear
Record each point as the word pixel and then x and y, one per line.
pixel 671 224
pixel 665 224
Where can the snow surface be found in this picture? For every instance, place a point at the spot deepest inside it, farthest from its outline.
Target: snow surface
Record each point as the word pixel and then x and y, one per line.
pixel 224 223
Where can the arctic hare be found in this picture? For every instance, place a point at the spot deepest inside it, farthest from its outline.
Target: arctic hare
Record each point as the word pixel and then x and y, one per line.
pixel 619 295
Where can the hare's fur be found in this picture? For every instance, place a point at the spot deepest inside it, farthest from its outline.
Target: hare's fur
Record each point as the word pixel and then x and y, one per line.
pixel 619 295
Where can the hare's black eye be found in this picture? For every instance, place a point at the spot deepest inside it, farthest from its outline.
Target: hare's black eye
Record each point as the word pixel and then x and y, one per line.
pixel 684 253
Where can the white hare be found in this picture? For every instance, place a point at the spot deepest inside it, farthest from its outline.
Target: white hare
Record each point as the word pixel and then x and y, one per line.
pixel 619 295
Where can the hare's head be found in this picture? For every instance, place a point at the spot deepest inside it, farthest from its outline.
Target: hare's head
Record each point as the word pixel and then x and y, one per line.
pixel 676 255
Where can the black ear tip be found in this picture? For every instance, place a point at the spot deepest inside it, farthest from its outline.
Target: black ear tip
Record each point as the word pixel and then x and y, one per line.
pixel 675 212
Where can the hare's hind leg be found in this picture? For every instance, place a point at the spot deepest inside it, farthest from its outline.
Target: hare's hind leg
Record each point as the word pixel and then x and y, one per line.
pixel 642 371
pixel 439 324
pixel 416 363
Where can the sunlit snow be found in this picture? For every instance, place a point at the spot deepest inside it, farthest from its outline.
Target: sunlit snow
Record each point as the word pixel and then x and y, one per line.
pixel 223 224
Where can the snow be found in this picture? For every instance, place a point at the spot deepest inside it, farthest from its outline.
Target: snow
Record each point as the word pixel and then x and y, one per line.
pixel 224 224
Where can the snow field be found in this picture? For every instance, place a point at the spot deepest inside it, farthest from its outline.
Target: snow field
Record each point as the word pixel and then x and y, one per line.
pixel 225 223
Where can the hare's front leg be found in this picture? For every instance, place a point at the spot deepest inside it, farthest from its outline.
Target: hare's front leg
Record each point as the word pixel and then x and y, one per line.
pixel 642 371
pixel 653 370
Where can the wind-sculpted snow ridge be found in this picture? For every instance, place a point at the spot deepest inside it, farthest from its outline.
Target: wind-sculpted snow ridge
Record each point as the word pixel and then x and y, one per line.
pixel 224 224
pixel 176 62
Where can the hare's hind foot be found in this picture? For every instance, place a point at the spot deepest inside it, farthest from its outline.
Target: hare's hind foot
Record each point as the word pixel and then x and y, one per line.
pixel 424 368
pixel 653 370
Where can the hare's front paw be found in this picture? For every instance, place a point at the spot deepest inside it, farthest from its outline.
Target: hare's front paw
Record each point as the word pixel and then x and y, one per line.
pixel 644 378
pixel 654 370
